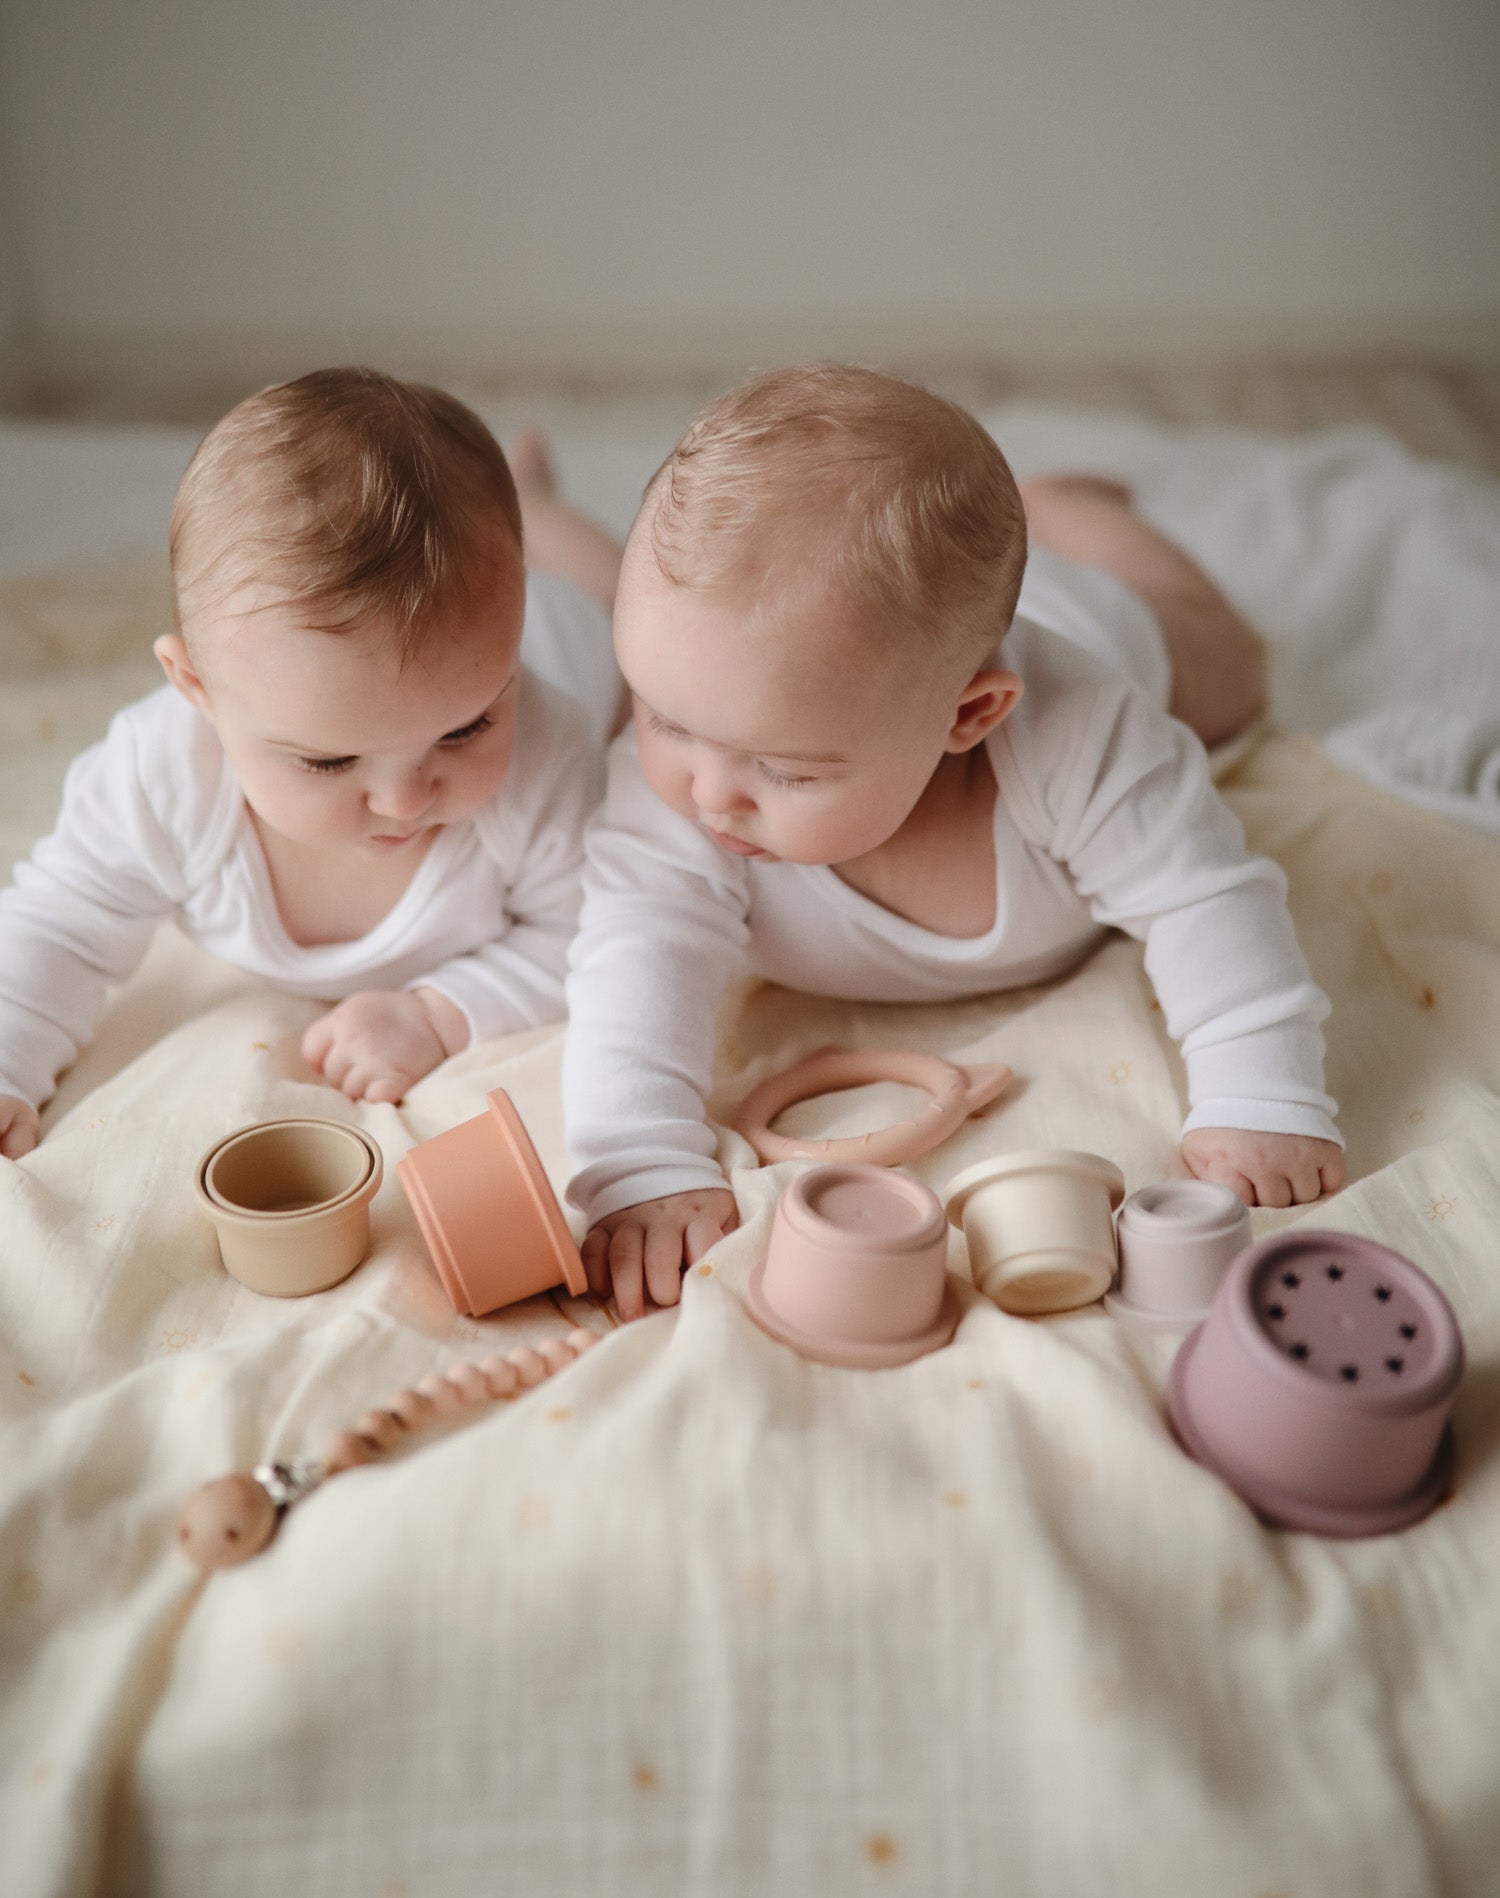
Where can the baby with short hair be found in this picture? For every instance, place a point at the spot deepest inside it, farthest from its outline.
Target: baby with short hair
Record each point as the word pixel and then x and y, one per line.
pixel 351 786
pixel 839 779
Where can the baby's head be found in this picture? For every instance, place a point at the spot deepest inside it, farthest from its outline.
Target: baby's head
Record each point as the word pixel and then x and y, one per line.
pixel 349 590
pixel 809 608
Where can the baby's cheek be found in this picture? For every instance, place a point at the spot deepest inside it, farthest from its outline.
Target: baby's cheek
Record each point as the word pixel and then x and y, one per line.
pixel 672 786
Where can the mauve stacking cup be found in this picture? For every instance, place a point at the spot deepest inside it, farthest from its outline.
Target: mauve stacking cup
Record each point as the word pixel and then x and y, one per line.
pixel 1319 1385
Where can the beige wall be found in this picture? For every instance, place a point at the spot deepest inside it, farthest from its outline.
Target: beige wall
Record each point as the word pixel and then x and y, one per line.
pixel 646 182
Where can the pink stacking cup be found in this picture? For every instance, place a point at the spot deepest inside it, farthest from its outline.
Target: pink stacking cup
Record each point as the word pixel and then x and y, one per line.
pixel 855 1272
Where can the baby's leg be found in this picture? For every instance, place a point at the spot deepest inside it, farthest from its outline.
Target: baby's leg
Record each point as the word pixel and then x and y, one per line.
pixel 1218 659
pixel 558 538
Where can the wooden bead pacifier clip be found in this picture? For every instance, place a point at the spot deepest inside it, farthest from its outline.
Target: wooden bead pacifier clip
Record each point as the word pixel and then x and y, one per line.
pixel 234 1517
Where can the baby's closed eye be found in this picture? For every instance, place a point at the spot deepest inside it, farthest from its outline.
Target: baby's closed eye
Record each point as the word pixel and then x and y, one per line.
pixel 782 778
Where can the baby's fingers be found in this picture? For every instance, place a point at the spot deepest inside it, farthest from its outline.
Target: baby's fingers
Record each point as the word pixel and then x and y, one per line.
pixel 20 1137
pixel 317 1041
pixel 625 1265
pixel 356 1079
pixel 595 1255
pixel 1273 1189
pixel 704 1233
pixel 1306 1182
pixel 664 1250
pixel 386 1091
pixel 1331 1174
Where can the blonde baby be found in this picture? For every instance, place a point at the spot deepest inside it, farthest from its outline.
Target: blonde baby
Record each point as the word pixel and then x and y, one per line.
pixel 879 753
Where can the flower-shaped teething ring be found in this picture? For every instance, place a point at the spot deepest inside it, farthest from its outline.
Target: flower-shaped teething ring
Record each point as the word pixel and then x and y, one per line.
pixel 955 1094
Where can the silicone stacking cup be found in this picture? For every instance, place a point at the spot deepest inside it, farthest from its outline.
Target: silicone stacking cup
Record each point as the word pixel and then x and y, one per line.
pixel 1176 1242
pixel 855 1271
pixel 290 1202
pixel 487 1212
pixel 1319 1386
pixel 1039 1228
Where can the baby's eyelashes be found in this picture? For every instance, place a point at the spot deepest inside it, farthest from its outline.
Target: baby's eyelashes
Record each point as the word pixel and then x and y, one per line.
pixel 448 739
pixel 465 732
pixel 782 778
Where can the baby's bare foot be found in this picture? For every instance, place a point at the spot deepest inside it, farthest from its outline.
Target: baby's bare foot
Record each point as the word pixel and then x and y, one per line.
pixel 531 464
pixel 1092 487
pixel 558 538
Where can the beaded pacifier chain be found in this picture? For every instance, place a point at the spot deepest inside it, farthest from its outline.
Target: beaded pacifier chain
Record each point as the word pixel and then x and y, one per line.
pixel 229 1520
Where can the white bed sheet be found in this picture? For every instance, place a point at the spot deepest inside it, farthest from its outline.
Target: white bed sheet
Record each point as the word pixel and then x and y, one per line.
pixel 697 1617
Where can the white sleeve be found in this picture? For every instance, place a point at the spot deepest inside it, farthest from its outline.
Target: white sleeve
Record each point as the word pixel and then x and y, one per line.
pixel 1155 852
pixel 81 913
pixel 664 927
pixel 536 841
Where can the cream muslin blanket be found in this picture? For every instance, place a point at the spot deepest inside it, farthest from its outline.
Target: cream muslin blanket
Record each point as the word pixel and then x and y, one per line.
pixel 696 1616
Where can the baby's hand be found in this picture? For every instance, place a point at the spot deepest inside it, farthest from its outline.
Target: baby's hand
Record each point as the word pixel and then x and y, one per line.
pixel 659 1237
pixel 373 1046
pixel 19 1127
pixel 1264 1169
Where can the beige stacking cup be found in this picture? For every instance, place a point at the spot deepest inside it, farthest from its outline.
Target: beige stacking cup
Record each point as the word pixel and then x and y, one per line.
pixel 290 1201
pixel 1039 1227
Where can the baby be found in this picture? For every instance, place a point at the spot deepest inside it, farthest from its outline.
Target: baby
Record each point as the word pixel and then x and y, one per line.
pixel 351 785
pixel 839 779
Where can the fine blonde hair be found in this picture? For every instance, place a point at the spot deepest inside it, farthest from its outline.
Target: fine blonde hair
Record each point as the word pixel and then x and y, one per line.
pixel 927 528
pixel 364 499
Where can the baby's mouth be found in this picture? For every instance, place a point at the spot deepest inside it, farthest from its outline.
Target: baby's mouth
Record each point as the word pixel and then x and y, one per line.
pixel 736 846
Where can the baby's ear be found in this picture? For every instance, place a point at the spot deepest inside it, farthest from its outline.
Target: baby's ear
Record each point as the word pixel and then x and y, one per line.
pixel 989 697
pixel 176 662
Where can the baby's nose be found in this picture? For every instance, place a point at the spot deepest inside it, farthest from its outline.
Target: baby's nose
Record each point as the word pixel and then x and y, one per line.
pixel 717 788
pixel 403 796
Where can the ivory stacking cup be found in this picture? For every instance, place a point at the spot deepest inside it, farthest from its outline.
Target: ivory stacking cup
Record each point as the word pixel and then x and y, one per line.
pixel 1319 1386
pixel 290 1203
pixel 488 1214
pixel 1039 1227
pixel 1176 1242
pixel 855 1271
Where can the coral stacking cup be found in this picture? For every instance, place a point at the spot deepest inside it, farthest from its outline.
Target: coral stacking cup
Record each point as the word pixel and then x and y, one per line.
pixel 488 1214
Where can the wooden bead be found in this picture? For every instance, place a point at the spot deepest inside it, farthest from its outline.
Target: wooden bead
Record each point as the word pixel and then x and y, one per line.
pixel 469 1381
pixel 380 1427
pixel 556 1353
pixel 531 1367
pixel 226 1522
pixel 441 1393
pixel 503 1379
pixel 413 1408
pixel 581 1341
pixel 348 1452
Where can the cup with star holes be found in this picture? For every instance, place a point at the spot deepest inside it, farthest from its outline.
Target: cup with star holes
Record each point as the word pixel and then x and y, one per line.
pixel 290 1202
pixel 1177 1240
pixel 1039 1227
pixel 855 1272
pixel 1320 1384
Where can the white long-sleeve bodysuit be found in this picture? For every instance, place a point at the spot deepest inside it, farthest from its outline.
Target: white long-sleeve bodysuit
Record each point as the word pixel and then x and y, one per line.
pixel 1106 817
pixel 154 827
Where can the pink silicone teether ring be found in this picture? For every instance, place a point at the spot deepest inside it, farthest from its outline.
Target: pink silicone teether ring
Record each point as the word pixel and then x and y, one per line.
pixel 954 1092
